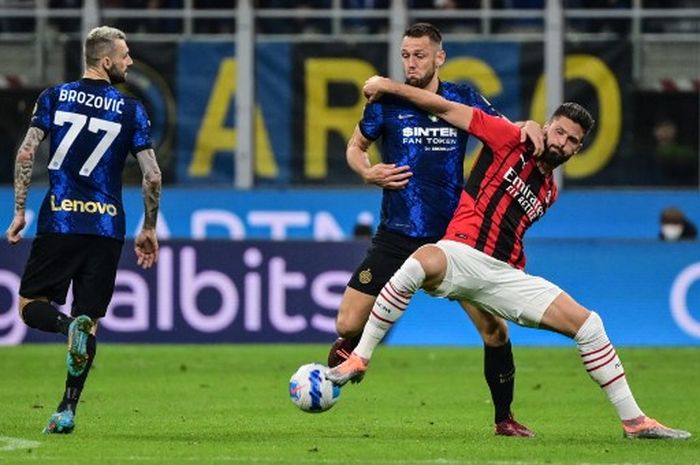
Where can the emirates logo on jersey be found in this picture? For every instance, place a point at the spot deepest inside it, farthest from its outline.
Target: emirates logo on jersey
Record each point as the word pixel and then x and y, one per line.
pixel 523 194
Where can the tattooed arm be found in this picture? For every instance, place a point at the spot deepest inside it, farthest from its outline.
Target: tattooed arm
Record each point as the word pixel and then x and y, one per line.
pixel 146 243
pixel 23 177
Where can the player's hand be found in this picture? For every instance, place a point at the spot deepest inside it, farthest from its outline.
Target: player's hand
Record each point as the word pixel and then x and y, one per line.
pixel 533 131
pixel 146 248
pixel 374 87
pixel 13 232
pixel 388 176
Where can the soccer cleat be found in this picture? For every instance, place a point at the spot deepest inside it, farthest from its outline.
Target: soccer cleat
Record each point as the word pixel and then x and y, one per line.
pixel 648 428
pixel 78 332
pixel 340 351
pixel 60 423
pixel 510 427
pixel 352 369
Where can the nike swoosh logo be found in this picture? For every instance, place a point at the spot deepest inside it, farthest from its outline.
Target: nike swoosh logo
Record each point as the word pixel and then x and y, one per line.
pixel 405 116
pixel 293 391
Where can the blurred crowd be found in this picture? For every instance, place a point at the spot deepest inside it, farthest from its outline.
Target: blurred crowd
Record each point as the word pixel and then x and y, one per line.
pixel 300 21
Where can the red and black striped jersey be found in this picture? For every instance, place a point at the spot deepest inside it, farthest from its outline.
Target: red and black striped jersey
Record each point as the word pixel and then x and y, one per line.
pixel 505 194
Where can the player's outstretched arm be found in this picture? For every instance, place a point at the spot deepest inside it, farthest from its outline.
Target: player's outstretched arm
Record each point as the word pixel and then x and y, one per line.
pixel 146 243
pixel 24 163
pixel 457 114
pixel 384 175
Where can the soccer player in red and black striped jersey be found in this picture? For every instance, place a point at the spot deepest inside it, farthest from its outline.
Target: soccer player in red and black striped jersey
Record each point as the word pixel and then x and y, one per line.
pixel 480 259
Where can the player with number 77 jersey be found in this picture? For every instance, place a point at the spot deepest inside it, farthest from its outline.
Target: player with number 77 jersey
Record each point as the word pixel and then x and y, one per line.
pixel 92 128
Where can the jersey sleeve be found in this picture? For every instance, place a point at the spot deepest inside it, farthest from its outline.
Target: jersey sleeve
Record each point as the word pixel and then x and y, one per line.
pixel 476 100
pixel 372 121
pixel 141 139
pixel 494 131
pixel 41 116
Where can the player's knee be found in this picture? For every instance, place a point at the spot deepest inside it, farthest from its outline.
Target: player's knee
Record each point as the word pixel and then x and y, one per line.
pixel 433 261
pixel 591 329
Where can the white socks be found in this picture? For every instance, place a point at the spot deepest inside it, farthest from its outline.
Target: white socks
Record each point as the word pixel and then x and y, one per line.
pixel 390 305
pixel 603 365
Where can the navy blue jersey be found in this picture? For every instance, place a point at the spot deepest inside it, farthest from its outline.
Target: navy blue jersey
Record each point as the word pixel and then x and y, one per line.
pixel 435 152
pixel 92 127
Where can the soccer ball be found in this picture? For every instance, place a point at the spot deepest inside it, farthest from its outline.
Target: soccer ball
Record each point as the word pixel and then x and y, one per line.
pixel 311 391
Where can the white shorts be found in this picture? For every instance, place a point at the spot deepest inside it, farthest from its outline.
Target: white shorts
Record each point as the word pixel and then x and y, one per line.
pixel 493 285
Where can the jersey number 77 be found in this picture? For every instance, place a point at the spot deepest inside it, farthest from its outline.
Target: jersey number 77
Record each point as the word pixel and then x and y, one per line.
pixel 77 122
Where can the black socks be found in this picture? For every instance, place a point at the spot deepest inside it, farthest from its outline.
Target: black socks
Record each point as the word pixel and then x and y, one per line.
pixel 499 371
pixel 45 317
pixel 75 384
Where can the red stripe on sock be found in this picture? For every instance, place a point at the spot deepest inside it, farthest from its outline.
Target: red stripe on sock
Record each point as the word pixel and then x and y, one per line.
pixel 391 303
pixel 612 349
pixel 612 380
pixel 390 300
pixel 614 355
pixel 398 295
pixel 596 351
pixel 374 314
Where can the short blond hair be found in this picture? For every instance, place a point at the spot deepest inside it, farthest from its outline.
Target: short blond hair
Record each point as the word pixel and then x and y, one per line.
pixel 100 43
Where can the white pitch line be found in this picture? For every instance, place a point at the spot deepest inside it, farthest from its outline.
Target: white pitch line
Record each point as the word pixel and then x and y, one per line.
pixel 8 443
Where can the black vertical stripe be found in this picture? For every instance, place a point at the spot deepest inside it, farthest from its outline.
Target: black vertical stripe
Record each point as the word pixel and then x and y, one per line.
pixel 513 216
pixel 478 173
pixel 496 190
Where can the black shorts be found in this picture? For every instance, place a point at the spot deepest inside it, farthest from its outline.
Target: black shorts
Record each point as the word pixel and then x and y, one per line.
pixel 89 262
pixel 386 255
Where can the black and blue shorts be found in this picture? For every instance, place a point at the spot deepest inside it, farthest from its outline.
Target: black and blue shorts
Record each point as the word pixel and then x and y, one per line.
pixel 386 255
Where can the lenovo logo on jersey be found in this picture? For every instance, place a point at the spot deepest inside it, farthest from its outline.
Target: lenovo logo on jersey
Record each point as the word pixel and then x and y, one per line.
pixel 82 206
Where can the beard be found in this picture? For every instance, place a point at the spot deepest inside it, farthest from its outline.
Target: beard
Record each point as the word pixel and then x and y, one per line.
pixel 554 157
pixel 421 83
pixel 116 76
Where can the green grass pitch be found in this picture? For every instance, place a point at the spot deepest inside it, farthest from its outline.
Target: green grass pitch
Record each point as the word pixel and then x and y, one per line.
pixel 217 404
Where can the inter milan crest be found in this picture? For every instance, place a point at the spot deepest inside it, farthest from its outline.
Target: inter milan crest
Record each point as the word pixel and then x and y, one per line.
pixel 365 276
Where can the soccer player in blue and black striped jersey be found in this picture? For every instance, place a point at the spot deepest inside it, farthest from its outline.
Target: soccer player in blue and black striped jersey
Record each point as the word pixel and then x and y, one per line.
pixel 92 128
pixel 422 177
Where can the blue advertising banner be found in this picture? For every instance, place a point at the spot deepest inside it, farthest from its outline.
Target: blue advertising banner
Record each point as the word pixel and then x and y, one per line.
pixel 213 291
pixel 330 214
pixel 647 292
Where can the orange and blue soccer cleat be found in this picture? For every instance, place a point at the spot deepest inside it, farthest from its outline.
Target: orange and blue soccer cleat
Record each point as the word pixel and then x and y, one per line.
pixel 648 428
pixel 352 369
